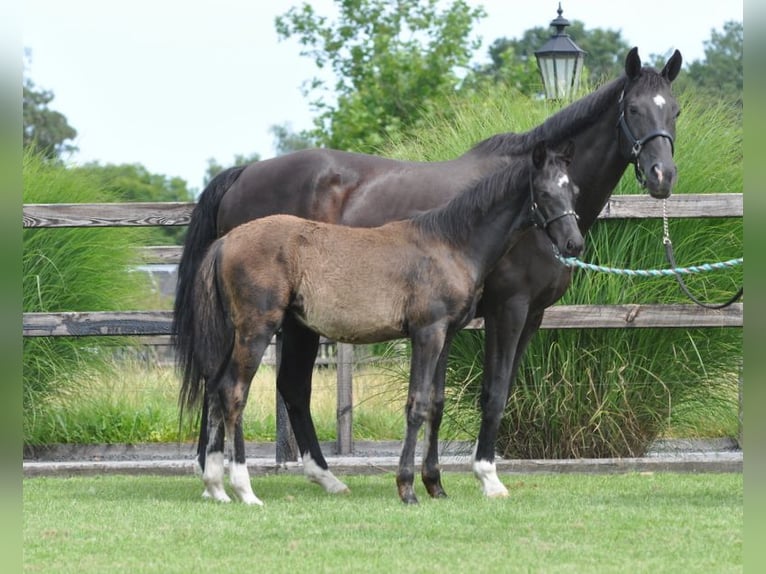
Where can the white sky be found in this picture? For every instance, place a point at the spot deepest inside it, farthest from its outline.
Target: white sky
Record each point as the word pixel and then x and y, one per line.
pixel 171 83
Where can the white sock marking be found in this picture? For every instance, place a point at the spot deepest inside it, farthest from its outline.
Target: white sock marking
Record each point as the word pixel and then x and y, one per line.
pixel 240 482
pixel 213 478
pixel 322 477
pixel 486 472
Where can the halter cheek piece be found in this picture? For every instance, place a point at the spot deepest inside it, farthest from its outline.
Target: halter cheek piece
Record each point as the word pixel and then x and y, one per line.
pixel 637 145
pixel 538 217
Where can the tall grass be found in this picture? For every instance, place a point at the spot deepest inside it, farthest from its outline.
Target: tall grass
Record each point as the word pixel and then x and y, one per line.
pixel 136 401
pixel 590 392
pixel 70 270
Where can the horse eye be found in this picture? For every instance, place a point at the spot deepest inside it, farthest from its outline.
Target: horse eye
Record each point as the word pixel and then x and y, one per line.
pixel 633 110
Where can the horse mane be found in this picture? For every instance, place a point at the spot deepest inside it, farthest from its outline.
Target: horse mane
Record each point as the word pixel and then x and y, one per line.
pixel 455 220
pixel 567 122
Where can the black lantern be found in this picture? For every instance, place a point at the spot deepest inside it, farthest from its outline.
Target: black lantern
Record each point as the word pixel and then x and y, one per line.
pixel 560 62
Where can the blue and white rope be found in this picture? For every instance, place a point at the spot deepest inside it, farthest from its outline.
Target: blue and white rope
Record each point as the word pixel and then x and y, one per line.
pixel 574 262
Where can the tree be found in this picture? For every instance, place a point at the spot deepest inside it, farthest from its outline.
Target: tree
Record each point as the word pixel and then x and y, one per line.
pixel 214 168
pixel 392 61
pixel 133 182
pixel 721 72
pixel 286 140
pixel 45 128
pixel 513 61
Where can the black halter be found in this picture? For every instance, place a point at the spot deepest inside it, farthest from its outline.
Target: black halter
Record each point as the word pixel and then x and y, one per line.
pixel 538 217
pixel 637 145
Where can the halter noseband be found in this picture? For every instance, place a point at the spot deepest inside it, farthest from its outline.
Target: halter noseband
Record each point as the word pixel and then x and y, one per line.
pixel 537 216
pixel 637 145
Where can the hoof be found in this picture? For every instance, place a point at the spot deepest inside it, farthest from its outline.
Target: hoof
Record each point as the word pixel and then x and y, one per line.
pixel 497 494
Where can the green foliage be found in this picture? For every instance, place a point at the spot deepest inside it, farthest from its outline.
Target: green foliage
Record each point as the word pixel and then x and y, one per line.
pixel 513 62
pixel 563 522
pixel 392 61
pixel 70 270
pixel 610 392
pixel 721 73
pixel 44 128
pixel 214 168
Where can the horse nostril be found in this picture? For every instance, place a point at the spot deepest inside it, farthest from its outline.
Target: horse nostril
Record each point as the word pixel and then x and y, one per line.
pixel 574 248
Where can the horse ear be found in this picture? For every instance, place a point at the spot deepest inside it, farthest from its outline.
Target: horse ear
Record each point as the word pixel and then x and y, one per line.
pixel 633 64
pixel 567 152
pixel 672 67
pixel 538 154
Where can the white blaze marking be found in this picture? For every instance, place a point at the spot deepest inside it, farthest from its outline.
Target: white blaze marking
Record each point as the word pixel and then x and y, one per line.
pixel 659 100
pixel 563 180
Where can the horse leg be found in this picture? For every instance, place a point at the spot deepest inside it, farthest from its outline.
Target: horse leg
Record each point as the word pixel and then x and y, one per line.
pixel 299 350
pixel 212 471
pixel 246 357
pixel 503 327
pixel 427 344
pixel 431 474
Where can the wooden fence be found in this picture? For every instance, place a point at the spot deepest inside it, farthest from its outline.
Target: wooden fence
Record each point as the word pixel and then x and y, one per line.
pixel 158 323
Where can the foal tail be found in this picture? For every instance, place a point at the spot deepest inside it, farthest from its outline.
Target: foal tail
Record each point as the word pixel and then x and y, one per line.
pixel 201 233
pixel 213 335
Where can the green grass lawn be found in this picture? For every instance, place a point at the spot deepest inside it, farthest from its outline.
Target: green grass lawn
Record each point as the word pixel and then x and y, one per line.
pixel 551 523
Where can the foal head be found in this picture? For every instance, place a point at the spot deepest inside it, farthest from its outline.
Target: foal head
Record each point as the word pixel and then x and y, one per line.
pixel 553 198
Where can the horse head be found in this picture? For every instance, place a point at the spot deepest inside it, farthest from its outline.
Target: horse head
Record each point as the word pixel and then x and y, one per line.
pixel 647 122
pixel 553 198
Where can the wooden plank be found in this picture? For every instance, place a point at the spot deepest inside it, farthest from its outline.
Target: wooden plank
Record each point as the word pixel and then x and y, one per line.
pixel 161 254
pixel 557 317
pixel 82 324
pixel 635 317
pixel 106 214
pixel 702 205
pixel 178 213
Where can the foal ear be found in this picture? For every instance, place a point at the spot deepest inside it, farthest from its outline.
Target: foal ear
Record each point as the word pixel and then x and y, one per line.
pixel 672 67
pixel 633 64
pixel 567 151
pixel 538 154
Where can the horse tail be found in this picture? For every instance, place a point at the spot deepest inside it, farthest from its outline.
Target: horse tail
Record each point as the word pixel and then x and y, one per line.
pixel 213 336
pixel 201 233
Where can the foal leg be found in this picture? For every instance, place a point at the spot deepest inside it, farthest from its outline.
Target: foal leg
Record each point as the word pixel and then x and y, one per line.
pixel 299 350
pixel 431 473
pixel 427 345
pixel 212 467
pixel 246 358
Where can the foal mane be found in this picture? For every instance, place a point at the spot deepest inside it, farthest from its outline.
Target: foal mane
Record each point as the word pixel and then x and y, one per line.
pixel 455 220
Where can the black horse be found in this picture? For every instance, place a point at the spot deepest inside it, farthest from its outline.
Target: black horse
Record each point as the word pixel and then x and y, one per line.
pixel 630 120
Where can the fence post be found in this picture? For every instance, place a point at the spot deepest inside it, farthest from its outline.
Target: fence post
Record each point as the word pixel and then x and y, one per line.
pixel 741 413
pixel 287 446
pixel 345 364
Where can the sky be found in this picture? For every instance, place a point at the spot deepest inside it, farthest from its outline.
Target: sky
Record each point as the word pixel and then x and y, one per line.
pixel 170 84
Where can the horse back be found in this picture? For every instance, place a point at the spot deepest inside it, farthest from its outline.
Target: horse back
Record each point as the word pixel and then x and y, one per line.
pixel 349 188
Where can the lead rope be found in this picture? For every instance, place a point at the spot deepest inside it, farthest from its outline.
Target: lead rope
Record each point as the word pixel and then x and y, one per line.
pixel 677 274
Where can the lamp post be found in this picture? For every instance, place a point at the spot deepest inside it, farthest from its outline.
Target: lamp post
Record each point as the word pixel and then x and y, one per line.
pixel 560 62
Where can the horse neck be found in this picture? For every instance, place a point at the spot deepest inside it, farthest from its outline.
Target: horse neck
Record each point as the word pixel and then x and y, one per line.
pixel 598 163
pixel 597 167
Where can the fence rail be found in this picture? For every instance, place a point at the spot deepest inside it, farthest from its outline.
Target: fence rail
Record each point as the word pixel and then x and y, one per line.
pixel 155 326
pixel 178 213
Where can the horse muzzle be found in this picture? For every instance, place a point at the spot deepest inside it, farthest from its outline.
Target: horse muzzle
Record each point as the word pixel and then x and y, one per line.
pixel 660 179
